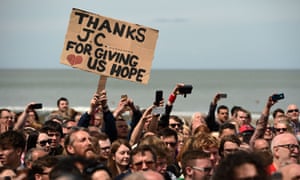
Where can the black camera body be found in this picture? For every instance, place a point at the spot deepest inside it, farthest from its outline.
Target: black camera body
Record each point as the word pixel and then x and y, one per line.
pixel 186 89
pixel 277 97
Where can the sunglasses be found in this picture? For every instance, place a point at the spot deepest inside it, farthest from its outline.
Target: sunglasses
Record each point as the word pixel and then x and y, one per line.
pixel 44 142
pixel 139 165
pixel 172 144
pixel 174 125
pixel 280 129
pixel 293 110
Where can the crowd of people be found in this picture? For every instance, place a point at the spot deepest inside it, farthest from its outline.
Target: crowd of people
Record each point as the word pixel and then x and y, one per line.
pixel 222 144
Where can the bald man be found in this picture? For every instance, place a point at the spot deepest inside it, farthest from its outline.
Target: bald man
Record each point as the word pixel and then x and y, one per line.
pixel 285 148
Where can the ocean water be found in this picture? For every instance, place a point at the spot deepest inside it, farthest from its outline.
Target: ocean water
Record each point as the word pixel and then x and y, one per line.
pixel 247 88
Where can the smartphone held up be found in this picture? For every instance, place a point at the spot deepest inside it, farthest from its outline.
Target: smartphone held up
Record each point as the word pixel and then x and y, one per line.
pixel 158 98
pixel 36 106
pixel 276 97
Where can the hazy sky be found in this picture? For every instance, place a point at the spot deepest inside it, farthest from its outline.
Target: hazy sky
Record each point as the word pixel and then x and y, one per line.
pixel 211 34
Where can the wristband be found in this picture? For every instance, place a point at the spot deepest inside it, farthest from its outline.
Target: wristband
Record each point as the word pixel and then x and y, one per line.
pixel 172 98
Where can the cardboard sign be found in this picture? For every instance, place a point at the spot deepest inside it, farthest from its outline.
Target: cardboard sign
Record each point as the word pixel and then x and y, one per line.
pixel 109 47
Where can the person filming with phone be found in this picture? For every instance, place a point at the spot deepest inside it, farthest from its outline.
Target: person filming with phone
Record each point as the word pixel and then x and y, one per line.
pixel 211 120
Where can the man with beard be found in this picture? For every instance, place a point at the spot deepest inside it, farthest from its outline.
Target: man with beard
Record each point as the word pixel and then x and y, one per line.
pixel 285 149
pixel 78 143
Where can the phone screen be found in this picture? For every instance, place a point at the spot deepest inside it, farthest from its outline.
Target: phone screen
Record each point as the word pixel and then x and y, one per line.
pixel 158 97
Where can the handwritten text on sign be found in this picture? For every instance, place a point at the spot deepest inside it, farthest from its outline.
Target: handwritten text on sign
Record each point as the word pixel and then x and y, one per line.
pixel 109 47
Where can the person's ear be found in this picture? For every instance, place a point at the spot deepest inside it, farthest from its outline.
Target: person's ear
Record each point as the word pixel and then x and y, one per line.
pixel 275 152
pixel 38 176
pixel 189 170
pixel 70 149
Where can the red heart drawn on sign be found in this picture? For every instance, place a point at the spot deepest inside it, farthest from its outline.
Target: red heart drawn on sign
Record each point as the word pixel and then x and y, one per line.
pixel 73 60
pixel 78 60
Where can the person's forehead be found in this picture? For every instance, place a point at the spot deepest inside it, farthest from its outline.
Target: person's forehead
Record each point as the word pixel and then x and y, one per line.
pixel 143 155
pixel 121 122
pixel 230 144
pixel 261 142
pixel 80 135
pixel 292 106
pixel 166 138
pixel 5 112
pixel 63 102
pixel 123 147
pixel 287 138
pixel 223 110
pixel 172 120
pixel 43 135
pixel 203 162
pixel 104 142
pixel 72 123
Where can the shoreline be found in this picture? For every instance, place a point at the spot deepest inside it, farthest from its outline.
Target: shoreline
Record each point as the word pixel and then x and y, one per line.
pixel 186 115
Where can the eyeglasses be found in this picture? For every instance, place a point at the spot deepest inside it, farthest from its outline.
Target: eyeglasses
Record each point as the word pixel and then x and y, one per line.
pixel 139 165
pixel 205 169
pixel 292 110
pixel 174 125
pixel 291 147
pixel 281 129
pixel 44 142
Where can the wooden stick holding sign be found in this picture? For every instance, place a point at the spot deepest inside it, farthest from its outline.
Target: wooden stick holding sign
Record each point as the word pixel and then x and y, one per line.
pixel 101 83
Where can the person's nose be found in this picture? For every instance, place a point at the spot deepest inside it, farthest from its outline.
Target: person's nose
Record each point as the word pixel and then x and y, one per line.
pixel 127 155
pixel 144 167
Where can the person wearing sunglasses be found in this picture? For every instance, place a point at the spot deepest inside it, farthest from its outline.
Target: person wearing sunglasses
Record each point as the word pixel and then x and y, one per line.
pixel 176 123
pixel 292 112
pixel 285 148
pixel 283 126
pixel 43 141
